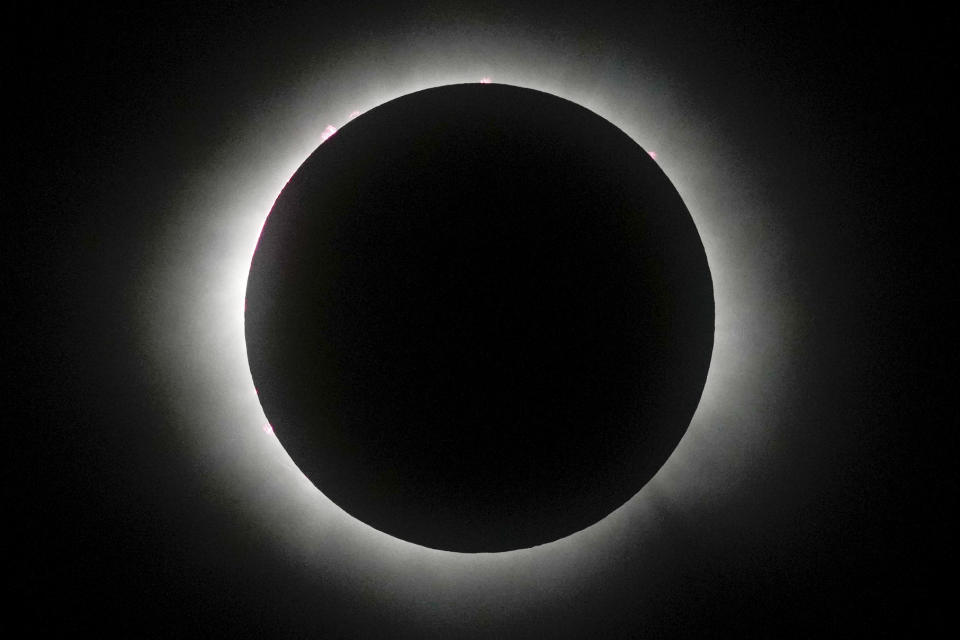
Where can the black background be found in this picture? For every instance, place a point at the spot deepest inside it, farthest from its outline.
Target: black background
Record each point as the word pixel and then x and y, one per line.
pixel 117 528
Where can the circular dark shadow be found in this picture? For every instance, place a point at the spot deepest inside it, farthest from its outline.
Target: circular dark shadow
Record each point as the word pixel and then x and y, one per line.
pixel 479 318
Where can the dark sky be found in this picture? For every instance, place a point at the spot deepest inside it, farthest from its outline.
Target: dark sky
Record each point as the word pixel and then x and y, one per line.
pixel 127 522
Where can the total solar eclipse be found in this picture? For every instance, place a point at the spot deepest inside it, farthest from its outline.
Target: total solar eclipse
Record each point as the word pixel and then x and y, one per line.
pixel 479 318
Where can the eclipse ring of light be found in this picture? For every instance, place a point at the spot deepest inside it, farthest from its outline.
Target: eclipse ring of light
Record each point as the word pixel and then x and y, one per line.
pixel 195 336
pixel 479 318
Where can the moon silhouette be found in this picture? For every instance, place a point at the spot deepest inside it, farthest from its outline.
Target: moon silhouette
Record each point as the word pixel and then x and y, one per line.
pixel 479 318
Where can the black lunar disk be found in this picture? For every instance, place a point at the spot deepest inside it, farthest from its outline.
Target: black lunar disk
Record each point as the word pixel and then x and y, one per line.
pixel 479 318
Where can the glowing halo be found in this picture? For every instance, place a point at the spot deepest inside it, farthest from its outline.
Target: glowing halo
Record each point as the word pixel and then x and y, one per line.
pixel 196 340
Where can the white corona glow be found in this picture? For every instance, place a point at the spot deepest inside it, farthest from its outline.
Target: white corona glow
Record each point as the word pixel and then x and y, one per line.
pixel 196 336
